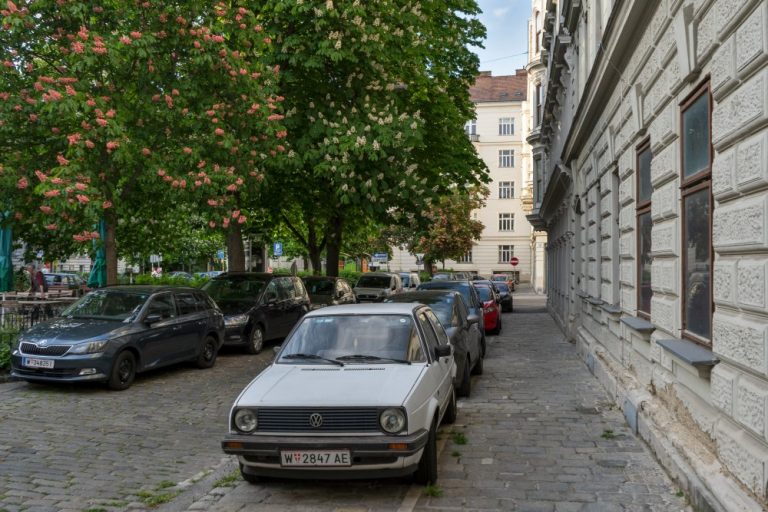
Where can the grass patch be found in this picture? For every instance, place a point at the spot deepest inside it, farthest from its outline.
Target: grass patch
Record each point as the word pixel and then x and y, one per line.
pixel 151 499
pixel 459 438
pixel 680 494
pixel 116 503
pixel 608 434
pixel 433 491
pixel 228 481
pixel 97 509
pixel 455 453
pixel 165 484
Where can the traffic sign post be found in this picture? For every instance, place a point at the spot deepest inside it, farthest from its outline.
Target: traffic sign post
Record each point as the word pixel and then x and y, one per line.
pixel 514 261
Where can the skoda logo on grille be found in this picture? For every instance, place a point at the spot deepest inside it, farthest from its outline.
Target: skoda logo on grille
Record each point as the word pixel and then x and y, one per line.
pixel 315 420
pixel 42 343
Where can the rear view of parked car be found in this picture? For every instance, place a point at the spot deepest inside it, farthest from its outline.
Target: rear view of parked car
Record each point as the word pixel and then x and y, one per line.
pixel 113 333
pixel 66 283
pixel 411 280
pixel 377 286
pixel 468 293
pixel 257 306
pixel 328 291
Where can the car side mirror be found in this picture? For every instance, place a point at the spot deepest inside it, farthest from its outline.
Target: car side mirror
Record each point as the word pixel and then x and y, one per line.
pixel 473 319
pixel 443 351
pixel 276 350
pixel 152 319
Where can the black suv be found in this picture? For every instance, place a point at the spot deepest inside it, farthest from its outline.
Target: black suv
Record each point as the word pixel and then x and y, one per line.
pixel 258 306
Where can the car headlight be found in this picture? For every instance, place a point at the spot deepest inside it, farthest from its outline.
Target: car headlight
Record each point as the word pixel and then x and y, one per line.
pixel 235 321
pixel 92 347
pixel 392 420
pixel 245 420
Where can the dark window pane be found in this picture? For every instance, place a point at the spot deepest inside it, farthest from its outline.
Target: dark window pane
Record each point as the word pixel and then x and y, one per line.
pixel 696 137
pixel 696 254
pixel 644 175
pixel 644 257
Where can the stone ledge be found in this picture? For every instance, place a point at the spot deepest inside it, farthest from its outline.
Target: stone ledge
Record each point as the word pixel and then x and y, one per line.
pixel 638 324
pixel 611 308
pixel 701 358
pixel 595 302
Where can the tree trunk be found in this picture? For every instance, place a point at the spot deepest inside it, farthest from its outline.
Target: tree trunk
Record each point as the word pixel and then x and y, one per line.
pixel 334 245
pixel 313 248
pixel 235 248
pixel 428 265
pixel 110 250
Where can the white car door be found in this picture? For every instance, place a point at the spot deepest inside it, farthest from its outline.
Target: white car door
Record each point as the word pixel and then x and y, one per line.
pixel 440 371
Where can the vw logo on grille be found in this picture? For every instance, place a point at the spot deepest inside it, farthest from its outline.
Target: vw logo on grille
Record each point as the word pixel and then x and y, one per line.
pixel 315 420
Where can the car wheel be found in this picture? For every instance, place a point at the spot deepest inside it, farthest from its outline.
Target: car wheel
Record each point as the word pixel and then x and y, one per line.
pixel 426 474
pixel 465 388
pixel 123 371
pixel 208 352
pixel 450 414
pixel 478 368
pixel 251 479
pixel 255 340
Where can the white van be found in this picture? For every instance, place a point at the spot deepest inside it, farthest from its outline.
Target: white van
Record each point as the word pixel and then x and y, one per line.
pixel 411 281
pixel 377 286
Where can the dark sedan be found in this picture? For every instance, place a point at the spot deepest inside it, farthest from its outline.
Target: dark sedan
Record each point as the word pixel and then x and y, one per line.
pixel 328 291
pixel 468 293
pixel 462 328
pixel 258 306
pixel 505 296
pixel 111 334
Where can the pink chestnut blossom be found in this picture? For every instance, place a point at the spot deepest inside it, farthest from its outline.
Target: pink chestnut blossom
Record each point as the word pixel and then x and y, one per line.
pixel 62 161
pixel 80 186
pixel 106 204
pixel 241 219
pixel 82 198
pixel 50 227
pixel 187 150
pixel 212 224
pixel 46 209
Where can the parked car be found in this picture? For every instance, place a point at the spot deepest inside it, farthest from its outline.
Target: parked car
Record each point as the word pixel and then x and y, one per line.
pixel 505 278
pixel 258 306
pixel 452 276
pixel 66 282
pixel 209 274
pixel 505 296
pixel 462 328
pixel 178 274
pixel 328 291
pixel 411 280
pixel 111 334
pixel 376 286
pixel 468 293
pixel 491 309
pixel 321 411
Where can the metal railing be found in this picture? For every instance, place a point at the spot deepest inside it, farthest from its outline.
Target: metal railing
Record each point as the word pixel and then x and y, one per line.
pixel 17 317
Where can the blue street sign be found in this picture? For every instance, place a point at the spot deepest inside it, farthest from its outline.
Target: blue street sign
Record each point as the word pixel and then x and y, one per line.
pixel 220 255
pixel 277 250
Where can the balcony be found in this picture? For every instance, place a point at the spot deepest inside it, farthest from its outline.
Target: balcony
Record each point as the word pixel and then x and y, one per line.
pixel 474 137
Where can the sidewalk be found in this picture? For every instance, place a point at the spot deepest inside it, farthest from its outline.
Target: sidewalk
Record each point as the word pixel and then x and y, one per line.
pixel 537 434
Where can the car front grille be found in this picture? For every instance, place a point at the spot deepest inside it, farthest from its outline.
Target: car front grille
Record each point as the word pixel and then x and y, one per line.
pixel 298 419
pixel 50 350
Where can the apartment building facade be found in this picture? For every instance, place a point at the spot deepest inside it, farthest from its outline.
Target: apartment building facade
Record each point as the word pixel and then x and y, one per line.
pixel 650 154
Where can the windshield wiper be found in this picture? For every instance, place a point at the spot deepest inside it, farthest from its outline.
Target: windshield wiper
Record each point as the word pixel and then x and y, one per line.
pixel 366 357
pixel 312 356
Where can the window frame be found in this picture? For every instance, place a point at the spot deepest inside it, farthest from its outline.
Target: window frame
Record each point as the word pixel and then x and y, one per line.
pixel 465 258
pixel 509 190
pixel 506 126
pixel 500 251
pixel 641 208
pixel 508 218
pixel 702 180
pixel 503 156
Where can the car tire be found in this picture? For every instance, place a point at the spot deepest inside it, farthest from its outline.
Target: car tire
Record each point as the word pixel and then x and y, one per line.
pixel 123 371
pixel 255 340
pixel 426 473
pixel 497 329
pixel 465 387
pixel 478 368
pixel 208 352
pixel 452 411
pixel 251 479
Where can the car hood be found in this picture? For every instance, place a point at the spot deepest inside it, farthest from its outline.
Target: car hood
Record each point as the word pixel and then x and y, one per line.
pixel 326 385
pixel 369 291
pixel 235 307
pixel 74 330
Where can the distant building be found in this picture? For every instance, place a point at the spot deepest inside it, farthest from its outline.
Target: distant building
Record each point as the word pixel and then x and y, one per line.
pixel 650 150
pixel 498 133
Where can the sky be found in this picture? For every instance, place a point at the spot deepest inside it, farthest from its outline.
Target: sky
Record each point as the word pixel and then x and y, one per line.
pixel 506 23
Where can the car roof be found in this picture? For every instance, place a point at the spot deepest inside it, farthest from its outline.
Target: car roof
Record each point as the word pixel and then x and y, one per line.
pixel 443 284
pixel 421 294
pixel 317 278
pixel 373 308
pixel 145 288
pixel 388 274
pixel 254 275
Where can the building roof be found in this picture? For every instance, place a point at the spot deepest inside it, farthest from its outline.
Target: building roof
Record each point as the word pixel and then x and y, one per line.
pixel 488 88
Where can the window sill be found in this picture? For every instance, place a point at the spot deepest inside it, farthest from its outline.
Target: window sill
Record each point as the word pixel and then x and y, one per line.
pixel 638 324
pixel 701 358
pixel 611 309
pixel 595 302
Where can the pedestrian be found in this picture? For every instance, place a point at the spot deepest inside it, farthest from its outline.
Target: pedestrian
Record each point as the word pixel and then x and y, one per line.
pixel 37 282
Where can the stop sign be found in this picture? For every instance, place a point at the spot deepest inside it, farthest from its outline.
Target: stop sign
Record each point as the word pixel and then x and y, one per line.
pixel 514 261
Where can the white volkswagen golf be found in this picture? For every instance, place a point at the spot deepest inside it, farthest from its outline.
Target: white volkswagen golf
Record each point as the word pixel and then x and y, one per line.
pixel 356 391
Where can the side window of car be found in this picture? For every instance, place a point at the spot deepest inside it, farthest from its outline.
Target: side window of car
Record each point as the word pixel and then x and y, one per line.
pixel 285 289
pixel 442 337
pixel 186 303
pixel 461 310
pixel 201 302
pixel 162 305
pixel 429 333
pixel 298 287
pixel 415 352
pixel 271 292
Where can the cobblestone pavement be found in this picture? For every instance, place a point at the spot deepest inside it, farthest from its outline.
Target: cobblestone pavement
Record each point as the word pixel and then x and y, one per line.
pixel 537 434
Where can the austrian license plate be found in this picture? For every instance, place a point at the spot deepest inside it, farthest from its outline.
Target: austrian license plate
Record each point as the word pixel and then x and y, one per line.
pixel 315 458
pixel 37 363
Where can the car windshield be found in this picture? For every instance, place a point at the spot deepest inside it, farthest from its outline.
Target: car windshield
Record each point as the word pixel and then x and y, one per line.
pixel 406 280
pixel 503 287
pixel 373 282
pixel 121 306
pixel 460 286
pixel 353 338
pixel 485 293
pixel 320 286
pixel 234 289
pixel 499 278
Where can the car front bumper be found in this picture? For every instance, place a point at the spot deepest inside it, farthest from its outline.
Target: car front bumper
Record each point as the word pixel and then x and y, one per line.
pixel 70 368
pixel 371 456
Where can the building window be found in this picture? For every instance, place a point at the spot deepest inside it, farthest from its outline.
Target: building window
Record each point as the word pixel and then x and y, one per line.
pixel 506 126
pixel 537 192
pixel 643 176
pixel 506 158
pixel 465 258
pixel 696 191
pixel 506 189
pixel 538 105
pixel 505 253
pixel 470 128
pixel 506 222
